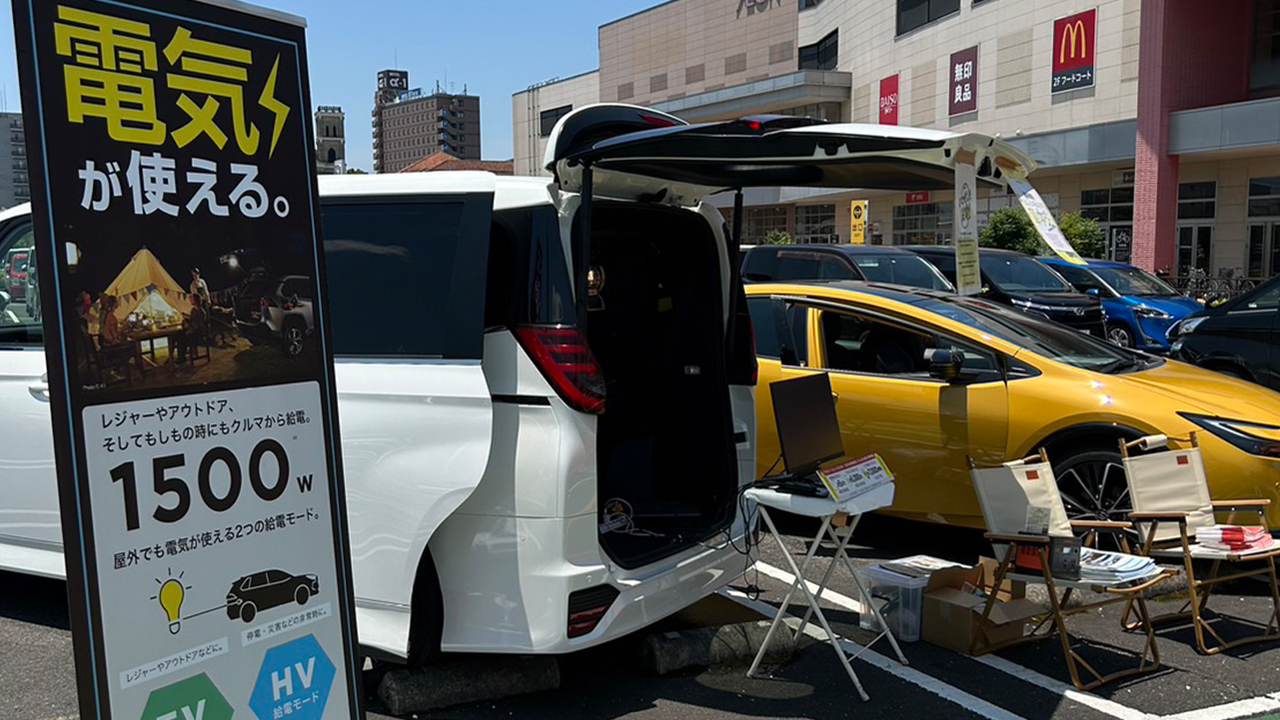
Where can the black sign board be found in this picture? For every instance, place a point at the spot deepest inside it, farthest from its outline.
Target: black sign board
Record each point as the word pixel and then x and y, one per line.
pixel 190 370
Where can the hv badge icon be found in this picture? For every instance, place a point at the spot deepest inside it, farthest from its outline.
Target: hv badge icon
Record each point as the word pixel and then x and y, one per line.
pixel 294 682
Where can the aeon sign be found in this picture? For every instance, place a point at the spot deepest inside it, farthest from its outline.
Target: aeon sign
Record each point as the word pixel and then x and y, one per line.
pixel 753 7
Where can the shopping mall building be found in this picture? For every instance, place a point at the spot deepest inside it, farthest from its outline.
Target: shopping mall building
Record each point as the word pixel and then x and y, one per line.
pixel 1159 118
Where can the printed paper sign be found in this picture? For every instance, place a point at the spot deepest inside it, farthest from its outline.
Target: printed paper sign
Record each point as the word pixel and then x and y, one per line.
pixel 190 375
pixel 1044 222
pixel 856 477
pixel 968 272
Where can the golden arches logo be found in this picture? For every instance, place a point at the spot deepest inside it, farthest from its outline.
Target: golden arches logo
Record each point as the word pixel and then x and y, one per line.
pixel 1074 31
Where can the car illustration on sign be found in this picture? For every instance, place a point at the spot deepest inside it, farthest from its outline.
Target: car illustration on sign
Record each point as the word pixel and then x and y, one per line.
pixel 264 590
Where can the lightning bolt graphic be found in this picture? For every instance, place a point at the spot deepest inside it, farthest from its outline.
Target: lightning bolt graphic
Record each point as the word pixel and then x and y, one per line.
pixel 269 101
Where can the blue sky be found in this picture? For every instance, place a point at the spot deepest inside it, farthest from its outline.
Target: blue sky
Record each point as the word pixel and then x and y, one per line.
pixel 494 47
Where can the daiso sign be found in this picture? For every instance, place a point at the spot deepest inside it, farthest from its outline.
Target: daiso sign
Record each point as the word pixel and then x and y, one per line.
pixel 889 100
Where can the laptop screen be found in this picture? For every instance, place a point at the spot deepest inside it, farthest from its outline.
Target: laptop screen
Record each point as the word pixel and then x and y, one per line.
pixel 805 414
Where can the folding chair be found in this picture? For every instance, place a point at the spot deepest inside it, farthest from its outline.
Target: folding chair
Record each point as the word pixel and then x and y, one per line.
pixel 1171 501
pixel 1005 493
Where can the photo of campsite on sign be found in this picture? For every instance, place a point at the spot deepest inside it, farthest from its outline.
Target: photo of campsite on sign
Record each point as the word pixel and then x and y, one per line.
pixel 162 322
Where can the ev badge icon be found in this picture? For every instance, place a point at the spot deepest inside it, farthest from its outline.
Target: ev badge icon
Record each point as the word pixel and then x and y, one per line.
pixel 195 698
pixel 294 682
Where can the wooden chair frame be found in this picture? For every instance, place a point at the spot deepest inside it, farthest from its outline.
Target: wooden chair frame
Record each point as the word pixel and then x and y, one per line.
pixel 1055 623
pixel 1200 589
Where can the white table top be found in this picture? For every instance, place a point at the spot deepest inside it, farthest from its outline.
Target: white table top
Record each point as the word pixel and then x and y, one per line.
pixel 881 497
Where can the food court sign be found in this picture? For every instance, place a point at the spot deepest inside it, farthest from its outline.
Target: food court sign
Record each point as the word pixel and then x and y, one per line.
pixel 1074 50
pixel 190 377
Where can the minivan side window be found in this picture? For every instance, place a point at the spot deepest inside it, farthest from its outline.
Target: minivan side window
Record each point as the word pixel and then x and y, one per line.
pixel 407 279
pixel 1082 280
pixel 19 306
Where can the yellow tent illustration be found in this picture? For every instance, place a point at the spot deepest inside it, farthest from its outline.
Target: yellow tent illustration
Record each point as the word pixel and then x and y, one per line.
pixel 145 290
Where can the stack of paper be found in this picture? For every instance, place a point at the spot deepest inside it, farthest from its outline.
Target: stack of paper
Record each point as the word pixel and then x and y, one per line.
pixel 1234 538
pixel 1110 567
pixel 918 566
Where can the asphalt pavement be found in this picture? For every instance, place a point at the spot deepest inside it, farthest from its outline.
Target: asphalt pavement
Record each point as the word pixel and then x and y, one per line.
pixel 37 677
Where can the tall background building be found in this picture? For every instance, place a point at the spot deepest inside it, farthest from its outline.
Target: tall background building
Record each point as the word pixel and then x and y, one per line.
pixel 411 124
pixel 1160 119
pixel 331 143
pixel 14 185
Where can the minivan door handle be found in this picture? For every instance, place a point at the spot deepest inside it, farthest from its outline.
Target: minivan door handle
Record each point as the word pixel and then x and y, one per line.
pixel 40 390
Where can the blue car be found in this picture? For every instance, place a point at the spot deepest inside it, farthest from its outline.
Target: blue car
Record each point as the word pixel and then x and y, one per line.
pixel 1140 307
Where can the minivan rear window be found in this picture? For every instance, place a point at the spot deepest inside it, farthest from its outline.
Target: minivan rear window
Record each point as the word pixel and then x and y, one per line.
pixel 406 279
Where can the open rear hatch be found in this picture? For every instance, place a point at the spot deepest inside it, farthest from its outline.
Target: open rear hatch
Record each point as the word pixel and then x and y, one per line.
pixel 664 291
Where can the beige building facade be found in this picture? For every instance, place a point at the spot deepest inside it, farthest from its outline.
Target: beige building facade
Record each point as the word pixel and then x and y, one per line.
pixel 1058 78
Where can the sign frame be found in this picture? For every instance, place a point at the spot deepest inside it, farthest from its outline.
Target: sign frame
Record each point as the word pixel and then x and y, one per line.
pixel 968 270
pixel 962 73
pixel 1077 72
pixel 72 398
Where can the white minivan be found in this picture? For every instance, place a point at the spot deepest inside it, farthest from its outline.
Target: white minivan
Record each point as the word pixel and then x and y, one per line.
pixel 545 385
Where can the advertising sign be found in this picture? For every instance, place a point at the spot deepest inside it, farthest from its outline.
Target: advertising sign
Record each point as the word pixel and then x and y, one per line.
pixel 918 197
pixel 189 365
pixel 858 222
pixel 1044 222
pixel 889 100
pixel 1074 51
pixel 968 274
pixel 964 82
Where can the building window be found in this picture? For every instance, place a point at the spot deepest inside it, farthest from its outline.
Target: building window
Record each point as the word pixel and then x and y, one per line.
pixel 1108 205
pixel 658 83
pixel 695 74
pixel 821 55
pixel 781 52
pixel 1264 65
pixel 914 14
pixel 735 64
pixel 816 224
pixel 757 222
pixel 922 224
pixel 626 91
pixel 1197 201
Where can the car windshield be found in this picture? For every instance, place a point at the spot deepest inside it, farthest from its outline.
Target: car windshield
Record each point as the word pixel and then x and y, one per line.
pixel 910 270
pixel 1042 337
pixel 1133 281
pixel 1021 273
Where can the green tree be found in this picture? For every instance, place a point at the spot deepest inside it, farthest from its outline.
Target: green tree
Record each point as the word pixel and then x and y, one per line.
pixel 777 237
pixel 1011 229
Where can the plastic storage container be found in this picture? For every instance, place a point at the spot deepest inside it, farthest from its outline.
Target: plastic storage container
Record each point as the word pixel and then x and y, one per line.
pixel 903 604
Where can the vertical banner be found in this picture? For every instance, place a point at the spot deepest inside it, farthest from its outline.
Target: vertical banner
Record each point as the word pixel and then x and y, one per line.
pixel 1044 222
pixel 190 369
pixel 968 272
pixel 964 82
pixel 889 100
pixel 858 222
pixel 1074 49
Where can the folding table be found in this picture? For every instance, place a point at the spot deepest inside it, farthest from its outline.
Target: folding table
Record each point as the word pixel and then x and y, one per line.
pixel 824 509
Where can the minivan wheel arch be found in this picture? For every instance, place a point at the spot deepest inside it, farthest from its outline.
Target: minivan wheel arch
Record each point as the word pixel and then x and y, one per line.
pixel 426 615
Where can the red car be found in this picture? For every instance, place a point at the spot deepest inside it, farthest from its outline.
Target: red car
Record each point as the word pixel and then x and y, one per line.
pixel 16 264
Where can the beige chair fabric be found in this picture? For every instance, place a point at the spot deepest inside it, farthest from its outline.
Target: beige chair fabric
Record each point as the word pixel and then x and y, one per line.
pixel 1170 481
pixel 1006 492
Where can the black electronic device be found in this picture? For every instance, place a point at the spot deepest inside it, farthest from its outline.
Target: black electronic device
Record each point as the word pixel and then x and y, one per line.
pixel 804 412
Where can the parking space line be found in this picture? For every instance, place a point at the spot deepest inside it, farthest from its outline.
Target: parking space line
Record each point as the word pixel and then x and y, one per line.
pixel 1057 687
pixel 1230 711
pixel 829 595
pixel 955 695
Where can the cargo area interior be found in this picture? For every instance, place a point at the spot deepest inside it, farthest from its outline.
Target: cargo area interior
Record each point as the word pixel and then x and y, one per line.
pixel 667 475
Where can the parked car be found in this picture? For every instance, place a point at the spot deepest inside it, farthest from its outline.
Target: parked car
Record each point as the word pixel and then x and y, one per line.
pixel 1140 307
pixel 1021 281
pixel 1238 338
pixel 254 593
pixel 925 378
pixel 742 254
pixel 32 293
pixel 484 480
pixel 16 273
pixel 277 310
pixel 879 263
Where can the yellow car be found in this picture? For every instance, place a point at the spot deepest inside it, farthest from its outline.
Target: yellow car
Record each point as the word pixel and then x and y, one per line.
pixel 924 378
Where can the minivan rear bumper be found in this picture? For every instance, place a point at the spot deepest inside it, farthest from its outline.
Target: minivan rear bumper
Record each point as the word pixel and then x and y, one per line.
pixel 485 612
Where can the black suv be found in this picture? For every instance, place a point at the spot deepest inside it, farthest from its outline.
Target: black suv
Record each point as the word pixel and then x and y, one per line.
pixel 1012 278
pixel 877 263
pixel 1238 337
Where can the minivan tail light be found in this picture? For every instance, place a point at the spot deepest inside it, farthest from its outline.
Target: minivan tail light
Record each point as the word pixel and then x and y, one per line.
pixel 588 607
pixel 561 353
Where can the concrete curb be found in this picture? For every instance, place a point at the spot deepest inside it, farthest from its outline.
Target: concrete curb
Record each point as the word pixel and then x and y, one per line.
pixel 664 653
pixel 466 681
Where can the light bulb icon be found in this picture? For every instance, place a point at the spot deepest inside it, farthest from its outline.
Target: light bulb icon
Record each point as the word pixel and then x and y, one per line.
pixel 171 596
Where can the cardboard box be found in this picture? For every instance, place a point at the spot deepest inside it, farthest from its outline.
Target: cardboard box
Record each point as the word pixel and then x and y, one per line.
pixel 953 614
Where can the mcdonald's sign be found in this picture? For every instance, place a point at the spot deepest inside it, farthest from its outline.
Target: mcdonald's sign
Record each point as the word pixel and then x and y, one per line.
pixel 1074 50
